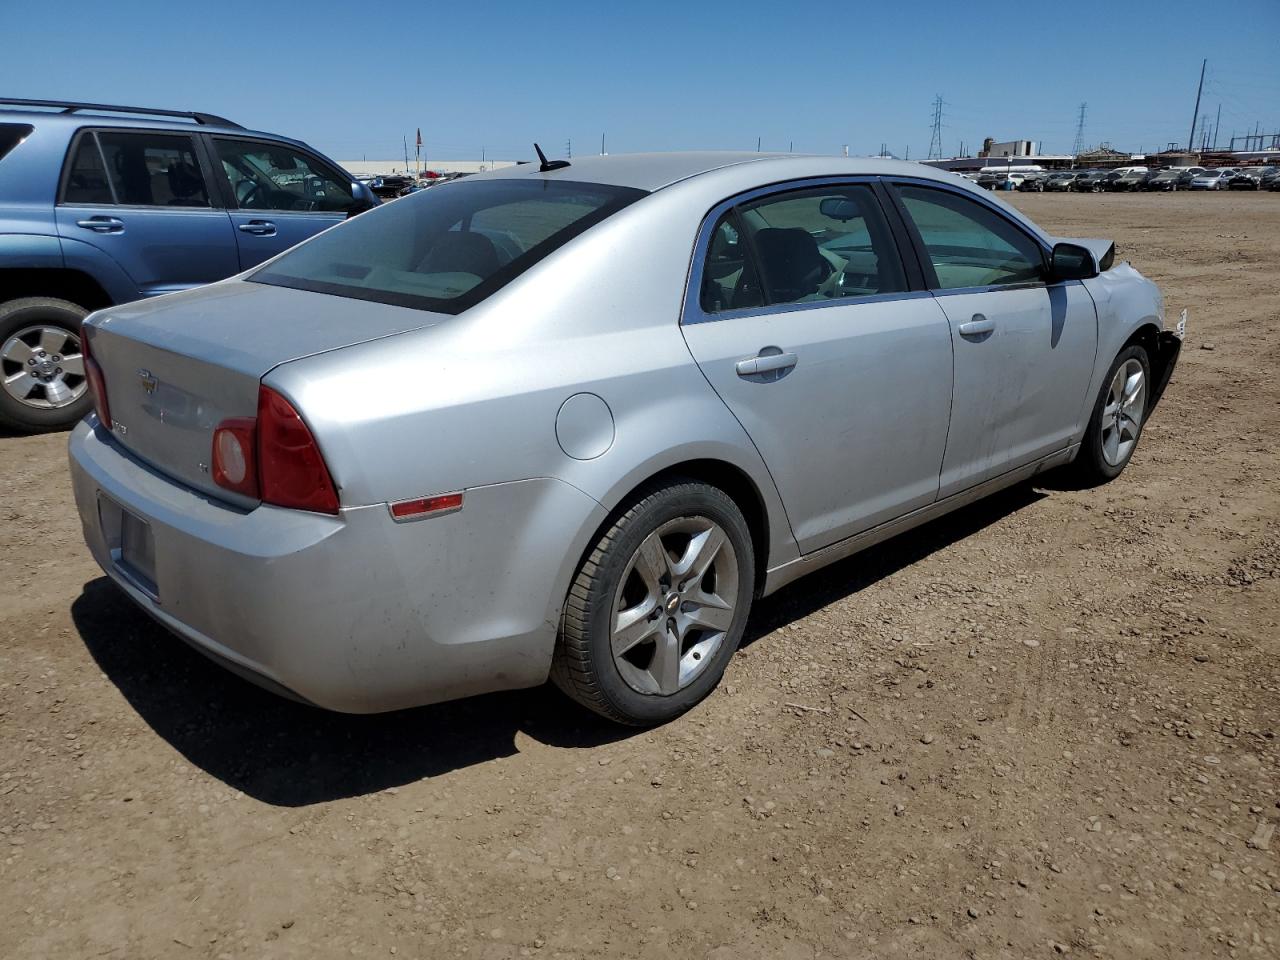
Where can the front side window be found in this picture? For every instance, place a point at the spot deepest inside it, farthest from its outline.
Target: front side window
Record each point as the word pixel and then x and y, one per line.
pixel 803 246
pixel 271 176
pixel 135 169
pixel 968 244
pixel 447 248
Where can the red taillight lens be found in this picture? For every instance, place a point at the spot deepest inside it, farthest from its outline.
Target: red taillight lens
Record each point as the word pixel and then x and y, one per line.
pixel 291 471
pixel 97 385
pixel 235 456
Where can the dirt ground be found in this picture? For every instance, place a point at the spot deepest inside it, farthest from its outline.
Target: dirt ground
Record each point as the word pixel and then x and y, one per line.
pixel 1045 725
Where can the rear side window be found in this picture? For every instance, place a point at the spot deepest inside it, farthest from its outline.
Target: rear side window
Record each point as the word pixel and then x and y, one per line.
pixel 135 169
pixel 447 248
pixel 12 134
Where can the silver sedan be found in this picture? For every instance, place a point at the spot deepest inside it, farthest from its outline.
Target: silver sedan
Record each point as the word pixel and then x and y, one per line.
pixel 568 421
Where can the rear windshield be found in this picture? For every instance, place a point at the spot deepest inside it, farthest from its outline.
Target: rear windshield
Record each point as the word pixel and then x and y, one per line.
pixel 12 134
pixel 447 248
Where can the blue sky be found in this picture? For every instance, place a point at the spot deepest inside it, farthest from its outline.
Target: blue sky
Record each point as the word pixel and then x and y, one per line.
pixel 353 80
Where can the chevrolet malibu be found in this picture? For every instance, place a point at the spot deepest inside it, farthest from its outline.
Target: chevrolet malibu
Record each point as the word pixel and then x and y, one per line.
pixel 568 421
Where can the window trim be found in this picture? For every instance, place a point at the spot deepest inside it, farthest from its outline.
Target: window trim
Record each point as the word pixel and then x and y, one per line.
pixel 691 310
pixel 202 161
pixel 229 193
pixel 891 185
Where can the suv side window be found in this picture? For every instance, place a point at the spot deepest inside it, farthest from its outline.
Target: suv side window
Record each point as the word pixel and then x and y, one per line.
pixel 968 244
pixel 272 176
pixel 135 169
pixel 824 243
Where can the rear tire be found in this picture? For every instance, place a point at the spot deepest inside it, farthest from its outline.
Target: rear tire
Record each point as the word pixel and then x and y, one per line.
pixel 658 607
pixel 1119 414
pixel 59 394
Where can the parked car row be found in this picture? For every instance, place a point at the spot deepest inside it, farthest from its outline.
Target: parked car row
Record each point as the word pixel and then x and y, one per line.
pixel 1132 179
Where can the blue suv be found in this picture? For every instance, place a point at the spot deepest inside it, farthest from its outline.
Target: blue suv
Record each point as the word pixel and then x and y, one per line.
pixel 100 205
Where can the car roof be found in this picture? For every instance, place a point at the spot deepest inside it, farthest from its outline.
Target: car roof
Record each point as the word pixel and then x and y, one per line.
pixel 88 118
pixel 653 171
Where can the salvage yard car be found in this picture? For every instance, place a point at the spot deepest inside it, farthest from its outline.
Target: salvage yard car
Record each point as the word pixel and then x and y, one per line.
pixel 571 420
pixel 102 204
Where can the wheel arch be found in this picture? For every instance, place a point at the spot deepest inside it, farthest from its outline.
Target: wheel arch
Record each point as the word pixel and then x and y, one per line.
pixel 731 478
pixel 58 283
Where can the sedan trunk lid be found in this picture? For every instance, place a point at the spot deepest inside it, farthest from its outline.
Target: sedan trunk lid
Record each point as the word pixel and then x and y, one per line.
pixel 177 366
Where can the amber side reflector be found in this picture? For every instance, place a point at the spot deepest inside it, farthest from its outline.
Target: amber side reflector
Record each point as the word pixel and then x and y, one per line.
pixel 425 507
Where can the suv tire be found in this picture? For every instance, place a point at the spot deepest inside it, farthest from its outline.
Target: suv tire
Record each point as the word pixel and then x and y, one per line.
pixel 47 394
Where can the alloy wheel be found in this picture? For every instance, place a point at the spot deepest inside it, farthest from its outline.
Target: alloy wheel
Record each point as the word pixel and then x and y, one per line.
pixel 42 367
pixel 1122 415
pixel 674 605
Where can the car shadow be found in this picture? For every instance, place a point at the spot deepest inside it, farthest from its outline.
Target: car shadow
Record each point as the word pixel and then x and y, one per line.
pixel 289 754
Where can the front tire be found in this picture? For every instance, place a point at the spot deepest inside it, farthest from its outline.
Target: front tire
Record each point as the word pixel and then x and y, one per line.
pixel 42 376
pixel 658 607
pixel 1119 414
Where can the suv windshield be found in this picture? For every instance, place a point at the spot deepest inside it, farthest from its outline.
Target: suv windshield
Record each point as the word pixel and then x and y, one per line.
pixel 447 248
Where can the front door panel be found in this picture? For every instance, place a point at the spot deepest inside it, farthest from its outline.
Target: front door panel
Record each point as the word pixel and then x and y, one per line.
pixel 1019 386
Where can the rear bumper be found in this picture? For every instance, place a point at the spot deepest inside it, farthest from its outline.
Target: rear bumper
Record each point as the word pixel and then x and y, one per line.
pixel 354 613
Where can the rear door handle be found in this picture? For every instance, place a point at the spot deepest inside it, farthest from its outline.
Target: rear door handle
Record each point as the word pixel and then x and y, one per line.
pixel 977 327
pixel 259 228
pixel 765 362
pixel 102 224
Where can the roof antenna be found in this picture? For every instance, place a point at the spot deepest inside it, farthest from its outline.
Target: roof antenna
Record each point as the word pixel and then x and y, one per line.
pixel 548 164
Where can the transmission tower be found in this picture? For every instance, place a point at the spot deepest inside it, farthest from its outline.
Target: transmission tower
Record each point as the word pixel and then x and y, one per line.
pixel 1079 144
pixel 935 144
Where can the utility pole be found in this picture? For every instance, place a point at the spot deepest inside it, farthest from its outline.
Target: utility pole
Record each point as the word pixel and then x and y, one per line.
pixel 568 149
pixel 1195 115
pixel 406 154
pixel 1079 142
pixel 791 147
pixel 935 143
pixel 907 155
pixel 757 144
pixel 1215 127
pixel 602 144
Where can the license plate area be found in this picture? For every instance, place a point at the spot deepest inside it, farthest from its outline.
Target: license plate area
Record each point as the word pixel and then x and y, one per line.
pixel 132 545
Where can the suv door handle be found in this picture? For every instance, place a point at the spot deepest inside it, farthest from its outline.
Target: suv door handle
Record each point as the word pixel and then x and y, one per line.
pixel 977 327
pixel 765 362
pixel 259 228
pixel 102 224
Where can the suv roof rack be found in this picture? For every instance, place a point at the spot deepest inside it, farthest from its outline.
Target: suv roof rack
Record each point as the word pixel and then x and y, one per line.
pixel 73 106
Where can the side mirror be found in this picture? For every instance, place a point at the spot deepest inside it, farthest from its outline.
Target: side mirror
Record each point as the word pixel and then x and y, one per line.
pixel 364 199
pixel 1071 262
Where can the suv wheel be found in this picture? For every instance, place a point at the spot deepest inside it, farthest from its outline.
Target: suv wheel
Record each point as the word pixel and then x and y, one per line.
pixel 42 375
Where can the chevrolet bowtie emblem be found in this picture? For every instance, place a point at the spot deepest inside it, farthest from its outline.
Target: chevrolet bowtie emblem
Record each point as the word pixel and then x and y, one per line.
pixel 149 382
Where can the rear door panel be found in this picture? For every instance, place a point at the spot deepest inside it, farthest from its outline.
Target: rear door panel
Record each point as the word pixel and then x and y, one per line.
pixel 170 240
pixel 854 434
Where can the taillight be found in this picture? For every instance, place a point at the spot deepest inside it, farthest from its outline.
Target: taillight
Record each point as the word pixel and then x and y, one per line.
pixel 274 458
pixel 97 384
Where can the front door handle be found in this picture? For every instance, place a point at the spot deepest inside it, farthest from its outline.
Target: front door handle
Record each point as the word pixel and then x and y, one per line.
pixel 765 363
pixel 102 224
pixel 979 326
pixel 259 228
